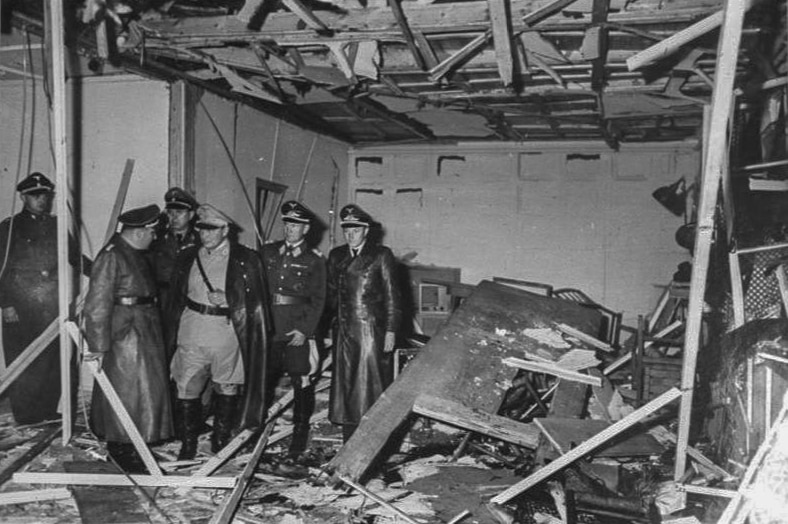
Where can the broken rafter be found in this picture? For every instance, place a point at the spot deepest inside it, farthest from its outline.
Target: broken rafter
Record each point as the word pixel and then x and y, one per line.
pixel 502 40
pixel 495 426
pixel 102 479
pixel 675 42
pixel 307 16
pixel 402 21
pixel 588 446
pixel 553 369
pixel 599 34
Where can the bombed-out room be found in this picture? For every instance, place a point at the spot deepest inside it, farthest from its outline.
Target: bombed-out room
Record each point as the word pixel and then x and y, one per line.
pixel 394 261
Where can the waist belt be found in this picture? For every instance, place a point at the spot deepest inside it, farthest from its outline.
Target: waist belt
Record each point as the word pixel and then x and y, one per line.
pixel 205 309
pixel 289 300
pixel 134 301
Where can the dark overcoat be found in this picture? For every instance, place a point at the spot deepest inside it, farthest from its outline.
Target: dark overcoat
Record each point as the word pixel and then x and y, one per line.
pixel 130 338
pixel 364 301
pixel 246 292
pixel 29 284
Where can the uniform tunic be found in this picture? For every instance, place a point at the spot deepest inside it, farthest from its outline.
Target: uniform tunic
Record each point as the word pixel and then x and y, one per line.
pixel 163 252
pixel 207 345
pixel 130 338
pixel 297 286
pixel 365 302
pixel 246 293
pixel 29 283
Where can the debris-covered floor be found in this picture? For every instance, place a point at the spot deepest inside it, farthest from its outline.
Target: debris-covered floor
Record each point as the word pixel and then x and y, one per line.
pixel 573 437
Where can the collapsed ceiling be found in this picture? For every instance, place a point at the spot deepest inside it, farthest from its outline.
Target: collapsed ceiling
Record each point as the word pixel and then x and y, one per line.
pixel 426 70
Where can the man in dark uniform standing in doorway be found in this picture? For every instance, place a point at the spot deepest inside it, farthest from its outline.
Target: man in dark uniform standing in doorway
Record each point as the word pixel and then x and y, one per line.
pixel 297 286
pixel 29 297
pixel 179 234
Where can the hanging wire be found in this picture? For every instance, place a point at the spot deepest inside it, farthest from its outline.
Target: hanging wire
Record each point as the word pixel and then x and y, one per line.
pixel 237 172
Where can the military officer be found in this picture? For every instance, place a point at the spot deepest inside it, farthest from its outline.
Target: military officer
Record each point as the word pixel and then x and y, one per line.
pixel 297 286
pixel 123 329
pixel 365 304
pixel 178 235
pixel 29 297
pixel 219 311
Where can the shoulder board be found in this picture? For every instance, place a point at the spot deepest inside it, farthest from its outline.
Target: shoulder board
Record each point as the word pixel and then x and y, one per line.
pixel 317 252
pixel 109 247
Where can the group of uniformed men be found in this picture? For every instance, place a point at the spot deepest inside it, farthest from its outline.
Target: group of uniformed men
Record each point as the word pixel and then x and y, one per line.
pixel 174 311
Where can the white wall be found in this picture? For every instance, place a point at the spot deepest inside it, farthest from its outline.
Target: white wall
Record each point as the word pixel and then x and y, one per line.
pixel 566 214
pixel 250 136
pixel 110 119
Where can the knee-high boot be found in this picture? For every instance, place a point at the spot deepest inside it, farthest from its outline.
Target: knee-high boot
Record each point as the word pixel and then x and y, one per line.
pixel 303 406
pixel 224 407
pixel 190 421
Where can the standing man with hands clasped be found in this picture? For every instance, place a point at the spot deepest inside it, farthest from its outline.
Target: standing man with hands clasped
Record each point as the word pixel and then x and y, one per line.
pixel 364 302
pixel 218 307
pixel 297 285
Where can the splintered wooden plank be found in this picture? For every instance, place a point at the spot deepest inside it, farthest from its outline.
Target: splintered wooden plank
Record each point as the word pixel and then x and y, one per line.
pixel 225 513
pixel 461 363
pixel 566 433
pixel 502 40
pixel 306 15
pixel 588 446
pixel 552 369
pixel 102 479
pixel 39 495
pixel 399 15
pixel 495 426
pixel 714 163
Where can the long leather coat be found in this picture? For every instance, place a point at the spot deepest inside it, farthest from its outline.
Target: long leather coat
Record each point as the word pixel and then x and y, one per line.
pixel 245 289
pixel 130 338
pixel 365 303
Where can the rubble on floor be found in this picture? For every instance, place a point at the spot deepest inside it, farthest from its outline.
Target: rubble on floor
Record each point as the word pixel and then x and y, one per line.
pixel 565 437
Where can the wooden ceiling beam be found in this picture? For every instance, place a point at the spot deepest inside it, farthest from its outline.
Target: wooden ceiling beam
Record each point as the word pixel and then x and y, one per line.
pixel 599 34
pixel 502 40
pixel 402 21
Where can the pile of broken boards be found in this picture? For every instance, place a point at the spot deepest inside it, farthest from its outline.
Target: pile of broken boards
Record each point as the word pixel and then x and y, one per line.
pixel 505 415
pixel 536 393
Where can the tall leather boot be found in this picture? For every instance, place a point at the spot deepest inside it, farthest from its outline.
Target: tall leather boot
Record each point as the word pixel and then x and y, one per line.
pixel 224 407
pixel 190 421
pixel 303 406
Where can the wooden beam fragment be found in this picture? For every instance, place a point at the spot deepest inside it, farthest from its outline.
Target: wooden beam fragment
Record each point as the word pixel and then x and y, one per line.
pixel 306 15
pixel 495 426
pixel 675 42
pixel 715 155
pixel 402 21
pixel 117 404
pixel 588 446
pixel 379 500
pixel 465 53
pixel 584 337
pixel 502 40
pixel 99 479
pixel 551 369
pixel 225 514
pixel 23 497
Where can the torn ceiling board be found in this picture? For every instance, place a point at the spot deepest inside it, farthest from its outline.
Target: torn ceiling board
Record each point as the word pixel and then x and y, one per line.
pixel 453 123
pixel 463 363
